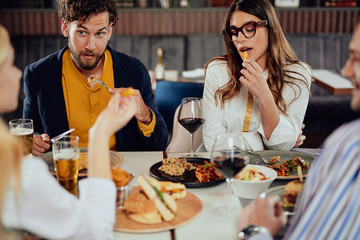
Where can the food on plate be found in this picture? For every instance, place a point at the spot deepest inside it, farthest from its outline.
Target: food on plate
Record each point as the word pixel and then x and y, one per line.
pixel 127 92
pixel 141 209
pixel 206 172
pixel 175 190
pixel 120 177
pixel 274 160
pixel 251 173
pixel 287 167
pixel 175 166
pixel 244 55
pixel 154 206
pixel 83 161
pixel 291 192
pixel 178 169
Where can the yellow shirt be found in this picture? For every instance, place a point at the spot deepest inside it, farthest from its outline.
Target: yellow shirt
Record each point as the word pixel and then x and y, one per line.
pixel 83 104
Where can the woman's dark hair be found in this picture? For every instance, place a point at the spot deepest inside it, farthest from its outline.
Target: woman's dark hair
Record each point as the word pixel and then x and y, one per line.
pixel 279 53
pixel 74 10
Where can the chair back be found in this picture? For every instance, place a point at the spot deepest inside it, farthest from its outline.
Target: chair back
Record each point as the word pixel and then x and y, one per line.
pixel 168 96
pixel 181 139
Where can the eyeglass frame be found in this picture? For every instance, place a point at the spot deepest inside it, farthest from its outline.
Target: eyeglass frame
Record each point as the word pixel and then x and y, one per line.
pixel 235 37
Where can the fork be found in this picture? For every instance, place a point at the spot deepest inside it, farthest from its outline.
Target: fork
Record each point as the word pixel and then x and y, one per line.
pixel 258 155
pixel 103 84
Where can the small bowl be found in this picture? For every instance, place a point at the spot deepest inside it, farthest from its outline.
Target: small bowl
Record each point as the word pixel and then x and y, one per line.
pixel 122 193
pixel 252 189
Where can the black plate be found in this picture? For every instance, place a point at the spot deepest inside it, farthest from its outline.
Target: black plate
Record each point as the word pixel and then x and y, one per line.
pixel 154 172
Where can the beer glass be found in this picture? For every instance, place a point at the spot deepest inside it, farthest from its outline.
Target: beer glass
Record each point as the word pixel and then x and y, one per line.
pixel 24 130
pixel 66 161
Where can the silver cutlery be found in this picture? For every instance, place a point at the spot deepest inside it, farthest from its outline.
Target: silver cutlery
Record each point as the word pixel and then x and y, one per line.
pixel 259 156
pixel 103 84
pixel 61 135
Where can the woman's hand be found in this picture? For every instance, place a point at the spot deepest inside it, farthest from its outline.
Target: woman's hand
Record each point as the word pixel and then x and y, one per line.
pixel 115 116
pixel 265 212
pixel 301 138
pixel 253 79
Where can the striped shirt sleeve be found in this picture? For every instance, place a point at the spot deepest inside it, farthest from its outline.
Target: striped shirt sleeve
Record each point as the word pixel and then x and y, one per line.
pixel 329 207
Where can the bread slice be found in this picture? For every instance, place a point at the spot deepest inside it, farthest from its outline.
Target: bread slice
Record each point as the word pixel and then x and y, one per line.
pixel 164 203
pixel 175 190
pixel 141 209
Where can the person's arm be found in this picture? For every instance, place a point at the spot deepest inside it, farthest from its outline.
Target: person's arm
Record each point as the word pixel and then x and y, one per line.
pixel 117 114
pixel 150 139
pixel 46 209
pixel 220 120
pixel 30 111
pixel 264 212
pixel 146 118
pixel 287 132
pixel 254 80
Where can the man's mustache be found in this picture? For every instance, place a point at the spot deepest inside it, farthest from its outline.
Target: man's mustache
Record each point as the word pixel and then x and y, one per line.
pixel 88 53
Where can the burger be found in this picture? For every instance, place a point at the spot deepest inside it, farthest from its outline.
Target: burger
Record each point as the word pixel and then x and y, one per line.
pixel 291 192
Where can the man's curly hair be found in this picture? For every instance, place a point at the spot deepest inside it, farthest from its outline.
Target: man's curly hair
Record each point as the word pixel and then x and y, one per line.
pixel 75 10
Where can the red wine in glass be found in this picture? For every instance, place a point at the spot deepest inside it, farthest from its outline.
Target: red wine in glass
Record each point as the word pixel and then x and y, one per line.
pixel 191 124
pixel 190 117
pixel 229 166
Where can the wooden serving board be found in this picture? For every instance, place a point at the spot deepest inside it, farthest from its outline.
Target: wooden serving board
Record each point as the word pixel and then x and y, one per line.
pixel 188 209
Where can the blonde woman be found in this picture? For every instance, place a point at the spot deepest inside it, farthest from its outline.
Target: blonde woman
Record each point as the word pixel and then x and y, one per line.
pixel 30 198
pixel 260 98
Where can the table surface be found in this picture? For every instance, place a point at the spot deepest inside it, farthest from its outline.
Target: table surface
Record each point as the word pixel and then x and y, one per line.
pixel 207 225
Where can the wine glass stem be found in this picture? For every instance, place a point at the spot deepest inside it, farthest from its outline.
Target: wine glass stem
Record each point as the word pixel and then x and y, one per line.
pixel 192 144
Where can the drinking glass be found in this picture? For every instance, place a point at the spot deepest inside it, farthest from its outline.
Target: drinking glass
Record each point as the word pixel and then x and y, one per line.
pixel 229 160
pixel 24 129
pixel 190 117
pixel 66 161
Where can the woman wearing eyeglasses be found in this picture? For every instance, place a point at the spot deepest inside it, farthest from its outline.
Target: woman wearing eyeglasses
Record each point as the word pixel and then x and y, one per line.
pixel 261 100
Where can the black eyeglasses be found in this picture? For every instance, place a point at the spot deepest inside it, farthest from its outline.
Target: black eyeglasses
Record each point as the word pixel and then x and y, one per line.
pixel 248 29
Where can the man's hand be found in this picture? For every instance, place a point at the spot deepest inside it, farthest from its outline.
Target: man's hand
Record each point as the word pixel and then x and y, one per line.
pixel 40 144
pixel 301 138
pixel 142 112
pixel 264 212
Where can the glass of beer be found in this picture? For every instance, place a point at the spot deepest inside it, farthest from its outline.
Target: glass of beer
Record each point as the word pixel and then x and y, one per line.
pixel 66 161
pixel 24 129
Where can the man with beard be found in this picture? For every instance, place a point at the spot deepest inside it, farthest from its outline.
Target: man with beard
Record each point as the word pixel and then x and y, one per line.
pixel 59 95
pixel 329 205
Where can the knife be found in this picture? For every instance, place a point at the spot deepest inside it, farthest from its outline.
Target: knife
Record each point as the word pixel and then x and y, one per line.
pixel 61 135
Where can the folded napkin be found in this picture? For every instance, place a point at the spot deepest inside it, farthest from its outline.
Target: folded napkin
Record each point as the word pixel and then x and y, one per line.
pixel 196 73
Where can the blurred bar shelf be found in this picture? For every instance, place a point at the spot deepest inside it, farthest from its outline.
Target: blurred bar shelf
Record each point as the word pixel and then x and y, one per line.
pixel 179 21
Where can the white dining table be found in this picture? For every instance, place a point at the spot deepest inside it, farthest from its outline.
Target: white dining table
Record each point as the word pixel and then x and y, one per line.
pixel 209 224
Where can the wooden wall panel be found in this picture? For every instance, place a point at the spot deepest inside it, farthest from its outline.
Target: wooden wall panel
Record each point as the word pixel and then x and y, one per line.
pixel 154 22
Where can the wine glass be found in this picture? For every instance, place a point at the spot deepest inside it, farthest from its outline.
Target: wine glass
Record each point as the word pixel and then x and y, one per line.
pixel 227 158
pixel 190 117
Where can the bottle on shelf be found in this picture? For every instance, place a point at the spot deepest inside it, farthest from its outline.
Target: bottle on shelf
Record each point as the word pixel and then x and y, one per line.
pixel 184 3
pixel 160 68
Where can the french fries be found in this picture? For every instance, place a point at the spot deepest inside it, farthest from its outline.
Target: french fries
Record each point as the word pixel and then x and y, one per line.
pixel 120 177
